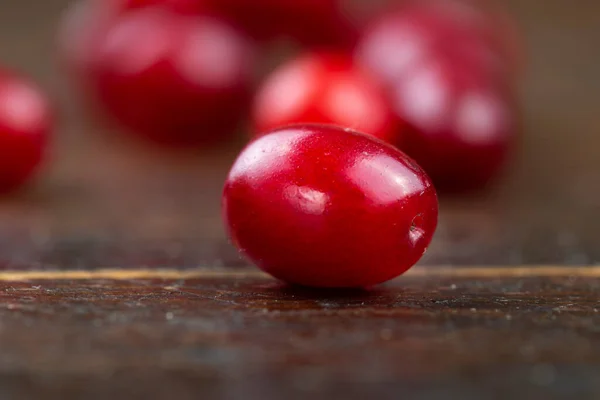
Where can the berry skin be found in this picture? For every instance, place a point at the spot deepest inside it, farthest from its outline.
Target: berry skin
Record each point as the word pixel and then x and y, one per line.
pixel 325 89
pixel 26 122
pixel 174 79
pixel 461 124
pixel 321 206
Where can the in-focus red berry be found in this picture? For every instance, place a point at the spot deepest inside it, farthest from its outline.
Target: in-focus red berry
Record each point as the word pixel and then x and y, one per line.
pixel 462 124
pixel 26 123
pixel 327 89
pixel 308 22
pixel 173 78
pixel 321 206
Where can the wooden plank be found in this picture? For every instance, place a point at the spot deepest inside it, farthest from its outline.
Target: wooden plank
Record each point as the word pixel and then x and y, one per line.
pixel 228 335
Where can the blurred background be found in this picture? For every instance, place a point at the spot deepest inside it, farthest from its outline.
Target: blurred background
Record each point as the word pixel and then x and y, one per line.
pixel 106 199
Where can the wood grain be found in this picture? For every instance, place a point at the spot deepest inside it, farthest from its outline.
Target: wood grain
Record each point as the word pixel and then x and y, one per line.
pixel 423 336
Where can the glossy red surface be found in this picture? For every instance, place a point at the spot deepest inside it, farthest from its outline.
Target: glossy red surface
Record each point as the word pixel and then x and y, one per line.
pixel 324 88
pixel 456 30
pixel 462 124
pixel 173 78
pixel 326 207
pixel 308 22
pixel 26 123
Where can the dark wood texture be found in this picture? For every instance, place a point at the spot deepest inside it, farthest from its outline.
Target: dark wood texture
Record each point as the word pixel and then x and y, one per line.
pixel 434 334
pixel 438 333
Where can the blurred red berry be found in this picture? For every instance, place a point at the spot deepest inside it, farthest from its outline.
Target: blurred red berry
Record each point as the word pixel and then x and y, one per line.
pixel 495 23
pixel 448 77
pixel 85 22
pixel 173 78
pixel 308 22
pixel 453 29
pixel 328 89
pixel 462 124
pixel 26 122
pixel 322 206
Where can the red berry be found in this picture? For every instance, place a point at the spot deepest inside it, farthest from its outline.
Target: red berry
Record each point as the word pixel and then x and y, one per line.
pixel 436 28
pixel 172 78
pixel 309 22
pixel 323 206
pixel 81 31
pixel 495 24
pixel 444 72
pixel 325 89
pixel 25 127
pixel 85 22
pixel 463 123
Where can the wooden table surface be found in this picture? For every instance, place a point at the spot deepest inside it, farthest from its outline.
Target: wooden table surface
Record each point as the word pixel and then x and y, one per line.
pixel 117 280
